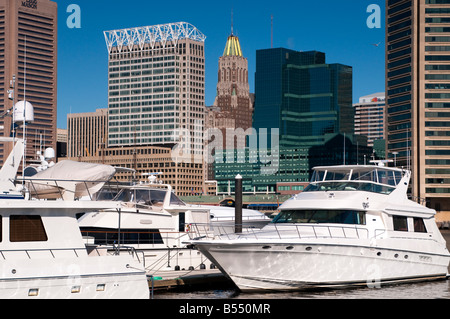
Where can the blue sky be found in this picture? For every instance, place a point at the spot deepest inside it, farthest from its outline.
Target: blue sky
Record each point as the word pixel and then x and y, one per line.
pixel 337 28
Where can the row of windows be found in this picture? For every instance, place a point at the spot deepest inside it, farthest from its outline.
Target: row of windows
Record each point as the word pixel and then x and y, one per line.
pixel 401 224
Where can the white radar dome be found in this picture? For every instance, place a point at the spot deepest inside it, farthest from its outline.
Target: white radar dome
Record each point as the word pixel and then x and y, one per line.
pixel 49 153
pixel 20 116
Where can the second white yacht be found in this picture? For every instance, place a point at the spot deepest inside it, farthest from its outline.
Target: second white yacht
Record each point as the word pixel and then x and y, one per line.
pixel 353 225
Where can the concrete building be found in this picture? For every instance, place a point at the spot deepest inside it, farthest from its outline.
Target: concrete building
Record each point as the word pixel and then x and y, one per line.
pixel 418 96
pixel 87 133
pixel 156 86
pixel 28 69
pixel 369 117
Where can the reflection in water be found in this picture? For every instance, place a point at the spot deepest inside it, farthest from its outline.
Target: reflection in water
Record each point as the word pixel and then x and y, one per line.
pixel 426 290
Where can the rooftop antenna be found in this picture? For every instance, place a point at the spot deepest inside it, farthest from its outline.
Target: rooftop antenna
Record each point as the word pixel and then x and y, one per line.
pixel 271 31
pixel 232 21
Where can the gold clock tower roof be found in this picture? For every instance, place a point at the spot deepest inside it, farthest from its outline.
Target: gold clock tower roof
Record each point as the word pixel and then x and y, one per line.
pixel 233 47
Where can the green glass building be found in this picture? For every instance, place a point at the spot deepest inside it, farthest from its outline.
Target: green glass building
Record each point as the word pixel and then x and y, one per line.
pixel 302 95
pixel 310 103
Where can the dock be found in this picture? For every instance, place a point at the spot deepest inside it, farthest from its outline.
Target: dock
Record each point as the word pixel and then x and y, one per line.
pixel 182 279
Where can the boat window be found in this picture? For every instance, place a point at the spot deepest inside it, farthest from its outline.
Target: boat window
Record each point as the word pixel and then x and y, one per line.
pixel 174 200
pixel 103 236
pixel 24 228
pixel 400 223
pixel 364 175
pixel 142 196
pixel 386 177
pixel 317 176
pixel 419 225
pixel 157 197
pixel 106 194
pixel 321 216
pixel 349 186
pixel 337 176
pixel 125 195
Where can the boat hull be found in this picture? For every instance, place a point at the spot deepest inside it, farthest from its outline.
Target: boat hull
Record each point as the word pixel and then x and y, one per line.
pixel 103 277
pixel 296 266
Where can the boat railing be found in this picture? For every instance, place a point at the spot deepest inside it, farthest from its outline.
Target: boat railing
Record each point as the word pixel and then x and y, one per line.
pixel 117 250
pixel 41 253
pixel 279 231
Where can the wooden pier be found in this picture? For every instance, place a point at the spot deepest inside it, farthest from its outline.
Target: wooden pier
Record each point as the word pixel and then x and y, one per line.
pixel 188 279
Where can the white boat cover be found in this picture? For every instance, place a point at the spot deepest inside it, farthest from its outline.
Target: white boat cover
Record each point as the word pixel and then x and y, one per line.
pixel 69 179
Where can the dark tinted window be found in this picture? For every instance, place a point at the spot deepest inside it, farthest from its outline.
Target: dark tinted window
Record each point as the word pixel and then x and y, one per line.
pixel 26 228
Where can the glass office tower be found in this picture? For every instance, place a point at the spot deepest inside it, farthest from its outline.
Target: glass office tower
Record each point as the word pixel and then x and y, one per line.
pixel 310 103
pixel 301 95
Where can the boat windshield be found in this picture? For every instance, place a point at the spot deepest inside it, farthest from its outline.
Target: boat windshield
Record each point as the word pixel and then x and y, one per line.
pixel 150 197
pixel 321 217
pixel 175 200
pixel 375 180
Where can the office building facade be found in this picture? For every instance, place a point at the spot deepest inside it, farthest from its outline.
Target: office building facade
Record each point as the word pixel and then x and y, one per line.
pixel 28 54
pixel 87 133
pixel 156 86
pixel 309 102
pixel 302 96
pixel 369 117
pixel 418 95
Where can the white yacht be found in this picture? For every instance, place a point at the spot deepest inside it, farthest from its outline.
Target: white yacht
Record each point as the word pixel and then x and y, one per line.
pixel 152 220
pixel 353 225
pixel 42 252
pixel 156 222
pixel 43 255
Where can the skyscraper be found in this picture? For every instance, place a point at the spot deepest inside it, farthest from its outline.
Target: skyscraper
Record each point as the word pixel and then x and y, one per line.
pixel 310 102
pixel 369 117
pixel 418 95
pixel 301 95
pixel 28 52
pixel 156 85
pixel 233 91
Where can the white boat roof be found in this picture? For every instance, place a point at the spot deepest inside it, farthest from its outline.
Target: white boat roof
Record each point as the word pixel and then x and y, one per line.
pixel 57 204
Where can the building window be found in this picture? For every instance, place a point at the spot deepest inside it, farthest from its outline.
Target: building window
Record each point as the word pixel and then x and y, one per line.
pixel 26 229
pixel 400 223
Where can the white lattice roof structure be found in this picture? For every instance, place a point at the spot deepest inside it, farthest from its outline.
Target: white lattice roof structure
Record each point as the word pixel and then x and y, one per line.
pixel 166 34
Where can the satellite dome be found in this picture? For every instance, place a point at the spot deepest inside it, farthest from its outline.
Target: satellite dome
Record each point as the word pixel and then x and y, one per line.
pixel 23 112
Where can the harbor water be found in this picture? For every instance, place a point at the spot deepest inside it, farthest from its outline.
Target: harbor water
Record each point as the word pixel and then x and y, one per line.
pixel 425 290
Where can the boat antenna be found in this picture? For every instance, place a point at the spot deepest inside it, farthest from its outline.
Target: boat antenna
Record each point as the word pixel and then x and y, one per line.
pixel 25 107
pixel 344 149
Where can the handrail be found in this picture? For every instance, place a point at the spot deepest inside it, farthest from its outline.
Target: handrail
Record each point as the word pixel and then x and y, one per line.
pixel 50 250
pixel 278 231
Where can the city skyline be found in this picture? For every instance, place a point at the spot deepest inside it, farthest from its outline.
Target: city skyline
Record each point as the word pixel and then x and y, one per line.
pixel 338 29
